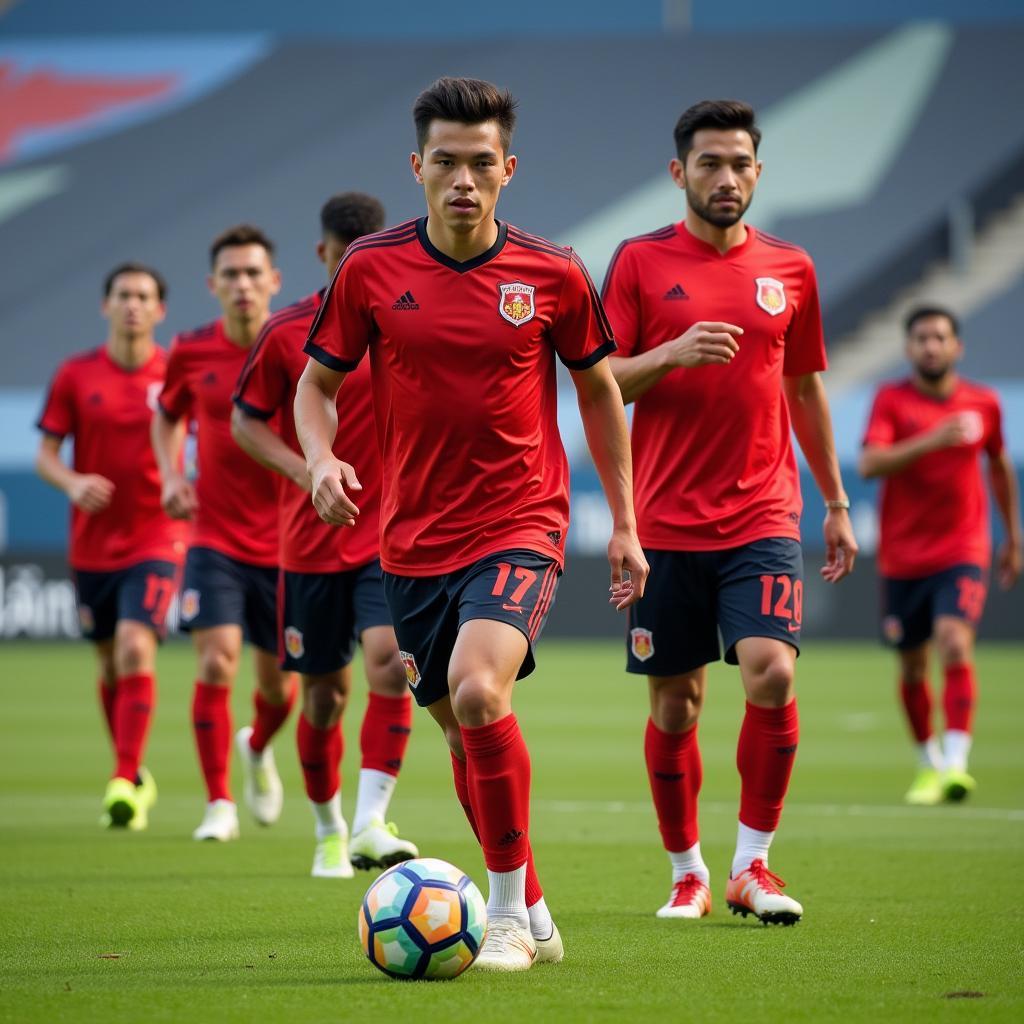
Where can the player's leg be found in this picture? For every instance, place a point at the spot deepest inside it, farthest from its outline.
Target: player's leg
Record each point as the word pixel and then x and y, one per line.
pixel 106 686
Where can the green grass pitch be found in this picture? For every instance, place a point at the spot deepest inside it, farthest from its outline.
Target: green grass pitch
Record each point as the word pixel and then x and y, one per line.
pixel 907 911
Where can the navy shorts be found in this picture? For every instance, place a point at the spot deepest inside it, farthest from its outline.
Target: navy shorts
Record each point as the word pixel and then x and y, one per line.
pixel 323 614
pixel 910 607
pixel 755 590
pixel 517 587
pixel 221 591
pixel 139 593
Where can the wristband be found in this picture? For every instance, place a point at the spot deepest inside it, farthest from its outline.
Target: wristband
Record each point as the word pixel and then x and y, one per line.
pixel 836 503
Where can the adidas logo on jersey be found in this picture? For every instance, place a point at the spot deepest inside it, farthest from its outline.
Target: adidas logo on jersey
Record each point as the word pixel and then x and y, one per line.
pixel 406 301
pixel 676 292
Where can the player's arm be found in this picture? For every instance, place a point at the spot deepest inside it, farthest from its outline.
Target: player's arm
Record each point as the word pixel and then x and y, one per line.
pixel 604 422
pixel 886 460
pixel 704 344
pixel 177 495
pixel 258 440
pixel 90 492
pixel 1003 478
pixel 316 423
pixel 812 424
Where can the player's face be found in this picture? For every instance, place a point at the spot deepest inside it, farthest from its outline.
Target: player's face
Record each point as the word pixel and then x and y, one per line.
pixel 330 250
pixel 463 169
pixel 133 306
pixel 719 176
pixel 932 347
pixel 244 281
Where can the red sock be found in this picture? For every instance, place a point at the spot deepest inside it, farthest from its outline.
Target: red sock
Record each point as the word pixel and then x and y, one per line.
pixel 459 772
pixel 917 702
pixel 385 732
pixel 764 756
pixel 959 696
pixel 108 701
pixel 675 770
pixel 320 753
pixel 269 717
pixel 211 723
pixel 136 696
pixel 499 786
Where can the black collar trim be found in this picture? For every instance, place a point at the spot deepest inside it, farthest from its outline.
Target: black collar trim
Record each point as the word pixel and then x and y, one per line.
pixel 446 261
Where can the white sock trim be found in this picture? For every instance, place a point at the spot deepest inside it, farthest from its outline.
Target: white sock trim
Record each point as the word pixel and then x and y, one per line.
pixel 541 925
pixel 956 748
pixel 688 862
pixel 372 797
pixel 328 817
pixel 751 845
pixel 507 895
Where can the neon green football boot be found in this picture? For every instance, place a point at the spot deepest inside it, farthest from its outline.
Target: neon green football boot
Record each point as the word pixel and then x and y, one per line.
pixel 957 785
pixel 927 788
pixel 121 803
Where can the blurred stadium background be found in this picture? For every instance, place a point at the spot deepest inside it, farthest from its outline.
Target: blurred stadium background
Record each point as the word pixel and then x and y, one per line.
pixel 894 152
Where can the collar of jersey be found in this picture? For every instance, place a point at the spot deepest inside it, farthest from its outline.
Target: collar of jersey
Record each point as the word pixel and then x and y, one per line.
pixel 446 261
pixel 709 251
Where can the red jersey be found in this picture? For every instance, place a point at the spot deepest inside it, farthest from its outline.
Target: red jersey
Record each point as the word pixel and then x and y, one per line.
pixel 237 513
pixel 266 388
pixel 713 463
pixel 462 357
pixel 107 409
pixel 934 513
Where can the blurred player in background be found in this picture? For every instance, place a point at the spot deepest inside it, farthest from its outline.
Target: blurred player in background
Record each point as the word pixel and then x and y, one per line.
pixel 721 347
pixel 125 551
pixel 230 585
pixel 463 317
pixel 925 438
pixel 330 582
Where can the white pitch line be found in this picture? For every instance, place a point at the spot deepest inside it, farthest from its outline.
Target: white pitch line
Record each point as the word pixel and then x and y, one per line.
pixel 814 810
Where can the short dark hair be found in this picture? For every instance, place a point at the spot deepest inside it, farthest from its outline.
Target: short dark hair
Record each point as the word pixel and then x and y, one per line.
pixel 923 312
pixel 721 114
pixel 467 101
pixel 350 215
pixel 240 234
pixel 133 267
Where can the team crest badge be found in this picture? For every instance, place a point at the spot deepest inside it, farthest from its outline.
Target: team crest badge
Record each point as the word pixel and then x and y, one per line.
pixel 153 390
pixel 771 295
pixel 412 673
pixel 86 619
pixel 189 605
pixel 892 629
pixel 641 643
pixel 973 426
pixel 516 302
pixel 293 642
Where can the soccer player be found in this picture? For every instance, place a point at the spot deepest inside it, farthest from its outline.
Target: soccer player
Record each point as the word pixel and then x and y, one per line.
pixel 463 316
pixel 330 582
pixel 230 585
pixel 925 438
pixel 721 347
pixel 125 552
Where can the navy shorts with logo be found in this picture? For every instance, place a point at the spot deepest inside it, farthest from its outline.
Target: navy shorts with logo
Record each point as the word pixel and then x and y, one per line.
pixel 755 590
pixel 517 587
pixel 323 614
pixel 911 606
pixel 221 591
pixel 139 593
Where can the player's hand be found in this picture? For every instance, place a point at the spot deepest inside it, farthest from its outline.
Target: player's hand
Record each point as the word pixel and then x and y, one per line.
pixel 91 492
pixel 705 343
pixel 950 433
pixel 1009 563
pixel 629 568
pixel 331 480
pixel 178 497
pixel 840 546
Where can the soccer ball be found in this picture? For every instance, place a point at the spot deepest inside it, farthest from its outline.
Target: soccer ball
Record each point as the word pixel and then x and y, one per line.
pixel 422 919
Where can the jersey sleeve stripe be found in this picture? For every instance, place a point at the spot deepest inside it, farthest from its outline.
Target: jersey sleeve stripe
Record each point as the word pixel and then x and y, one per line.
pixel 595 357
pixel 779 243
pixel 658 235
pixel 331 362
pixel 251 410
pixel 246 374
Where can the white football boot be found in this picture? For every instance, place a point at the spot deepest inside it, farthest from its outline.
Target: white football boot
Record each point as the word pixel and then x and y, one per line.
pixel 220 822
pixel 507 946
pixel 690 899
pixel 550 950
pixel 264 794
pixel 379 846
pixel 756 891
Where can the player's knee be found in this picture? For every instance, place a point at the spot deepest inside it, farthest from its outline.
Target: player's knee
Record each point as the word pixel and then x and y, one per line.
pixel 217 665
pixel 914 669
pixel 772 683
pixel 133 654
pixel 955 648
pixel 478 700
pixel 386 674
pixel 453 737
pixel 322 705
pixel 677 709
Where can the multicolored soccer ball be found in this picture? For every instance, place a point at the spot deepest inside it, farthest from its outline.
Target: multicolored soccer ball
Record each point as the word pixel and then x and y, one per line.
pixel 422 919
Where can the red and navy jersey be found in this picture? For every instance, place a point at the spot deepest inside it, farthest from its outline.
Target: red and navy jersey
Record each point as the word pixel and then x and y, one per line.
pixel 267 388
pixel 462 357
pixel 713 462
pixel 934 513
pixel 237 513
pixel 106 409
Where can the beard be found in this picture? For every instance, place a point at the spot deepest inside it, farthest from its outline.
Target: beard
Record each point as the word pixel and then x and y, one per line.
pixel 719 218
pixel 933 374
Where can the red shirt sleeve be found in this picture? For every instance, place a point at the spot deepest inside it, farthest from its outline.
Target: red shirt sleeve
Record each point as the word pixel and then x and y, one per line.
pixel 881 430
pixel 58 415
pixel 621 301
pixel 994 442
pixel 805 339
pixel 580 330
pixel 343 326
pixel 176 397
pixel 263 383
